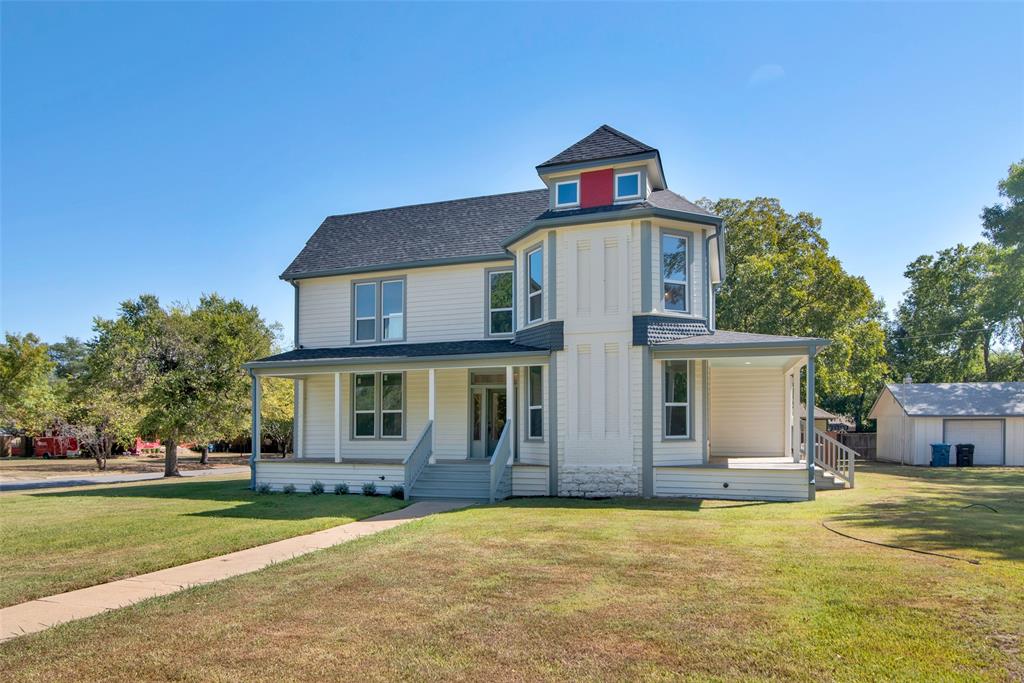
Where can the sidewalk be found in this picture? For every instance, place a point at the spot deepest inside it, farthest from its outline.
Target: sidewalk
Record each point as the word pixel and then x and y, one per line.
pixel 91 480
pixel 37 615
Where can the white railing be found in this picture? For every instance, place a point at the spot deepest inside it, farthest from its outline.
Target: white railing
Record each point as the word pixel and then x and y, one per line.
pixel 417 460
pixel 831 455
pixel 500 462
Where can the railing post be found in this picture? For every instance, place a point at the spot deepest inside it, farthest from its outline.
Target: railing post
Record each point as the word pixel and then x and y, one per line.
pixel 810 424
pixel 431 403
pixel 510 408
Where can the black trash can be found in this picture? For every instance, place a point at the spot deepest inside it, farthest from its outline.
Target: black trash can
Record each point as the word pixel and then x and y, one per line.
pixel 965 455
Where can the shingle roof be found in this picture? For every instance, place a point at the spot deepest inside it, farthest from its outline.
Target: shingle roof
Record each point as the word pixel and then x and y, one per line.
pixel 603 143
pixel 966 399
pixel 658 199
pixel 654 329
pixel 403 351
pixel 730 338
pixel 460 229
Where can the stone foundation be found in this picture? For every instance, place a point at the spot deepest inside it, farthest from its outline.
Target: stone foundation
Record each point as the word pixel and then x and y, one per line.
pixel 598 482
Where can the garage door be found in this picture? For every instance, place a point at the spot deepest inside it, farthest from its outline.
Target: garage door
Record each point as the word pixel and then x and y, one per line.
pixel 986 435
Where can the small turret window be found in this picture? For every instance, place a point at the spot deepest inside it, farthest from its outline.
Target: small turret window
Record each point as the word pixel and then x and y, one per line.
pixel 627 186
pixel 567 194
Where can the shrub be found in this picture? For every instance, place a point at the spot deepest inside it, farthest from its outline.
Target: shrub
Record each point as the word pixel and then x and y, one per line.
pixel 369 489
pixel 316 488
pixel 288 488
pixel 263 489
pixel 398 491
pixel 340 489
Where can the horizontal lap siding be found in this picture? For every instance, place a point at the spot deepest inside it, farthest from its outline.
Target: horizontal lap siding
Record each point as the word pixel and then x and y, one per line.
pixel 678 451
pixel 451 425
pixel 747 411
pixel 753 484
pixel 529 481
pixel 302 475
pixel 1015 441
pixel 319 417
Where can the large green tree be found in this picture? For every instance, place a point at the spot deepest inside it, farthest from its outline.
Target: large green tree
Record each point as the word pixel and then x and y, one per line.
pixel 783 280
pixel 28 401
pixel 1004 227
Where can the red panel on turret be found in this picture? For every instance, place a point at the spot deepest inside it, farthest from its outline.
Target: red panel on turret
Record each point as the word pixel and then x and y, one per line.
pixel 596 188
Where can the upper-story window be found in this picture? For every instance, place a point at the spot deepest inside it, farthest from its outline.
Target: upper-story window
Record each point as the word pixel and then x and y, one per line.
pixel 567 194
pixel 499 302
pixel 627 186
pixel 535 287
pixel 378 311
pixel 673 271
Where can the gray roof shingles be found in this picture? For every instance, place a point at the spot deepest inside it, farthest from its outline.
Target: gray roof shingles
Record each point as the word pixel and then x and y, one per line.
pixel 963 399
pixel 659 199
pixel 469 229
pixel 603 143
pixel 404 351
pixel 729 337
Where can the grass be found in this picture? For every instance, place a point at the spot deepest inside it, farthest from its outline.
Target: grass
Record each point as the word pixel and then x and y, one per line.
pixel 13 469
pixel 55 541
pixel 606 590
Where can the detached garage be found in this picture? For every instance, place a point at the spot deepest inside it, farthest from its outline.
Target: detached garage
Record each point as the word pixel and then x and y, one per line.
pixel 989 415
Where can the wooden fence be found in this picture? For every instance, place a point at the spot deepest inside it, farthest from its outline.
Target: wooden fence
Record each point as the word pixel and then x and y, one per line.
pixel 865 443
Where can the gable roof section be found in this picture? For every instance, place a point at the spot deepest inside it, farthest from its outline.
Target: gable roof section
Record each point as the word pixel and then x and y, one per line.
pixel 603 143
pixel 964 399
pixel 456 231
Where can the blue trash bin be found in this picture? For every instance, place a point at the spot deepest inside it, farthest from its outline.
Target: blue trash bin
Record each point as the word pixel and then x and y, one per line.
pixel 940 455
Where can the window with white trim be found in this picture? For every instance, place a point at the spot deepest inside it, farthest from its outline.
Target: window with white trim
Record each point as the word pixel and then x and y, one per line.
pixel 627 186
pixel 378 405
pixel 567 194
pixel 677 400
pixel 379 310
pixel 535 402
pixel 499 302
pixel 535 285
pixel 674 250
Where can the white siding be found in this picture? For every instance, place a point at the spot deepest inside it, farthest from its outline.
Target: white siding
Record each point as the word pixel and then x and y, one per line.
pixel 302 474
pixel 1015 441
pixel 678 451
pixel 925 432
pixel 743 484
pixel 451 426
pixel 894 434
pixel 529 480
pixel 531 451
pixel 747 411
pixel 443 304
pixel 318 430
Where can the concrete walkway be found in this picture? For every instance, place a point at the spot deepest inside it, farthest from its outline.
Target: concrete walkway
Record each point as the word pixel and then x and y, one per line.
pixel 37 615
pixel 92 480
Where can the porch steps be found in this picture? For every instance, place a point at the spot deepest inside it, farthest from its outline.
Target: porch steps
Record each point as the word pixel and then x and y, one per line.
pixel 470 480
pixel 826 481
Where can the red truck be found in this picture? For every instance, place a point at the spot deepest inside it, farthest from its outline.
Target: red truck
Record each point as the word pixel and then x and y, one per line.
pixel 54 446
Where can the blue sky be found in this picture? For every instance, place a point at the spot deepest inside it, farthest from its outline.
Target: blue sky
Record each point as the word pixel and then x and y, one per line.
pixel 192 147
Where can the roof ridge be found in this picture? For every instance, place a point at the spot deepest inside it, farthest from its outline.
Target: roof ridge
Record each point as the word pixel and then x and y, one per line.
pixel 435 203
pixel 626 137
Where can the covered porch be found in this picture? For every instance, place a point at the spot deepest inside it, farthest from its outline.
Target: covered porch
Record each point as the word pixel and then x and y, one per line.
pixel 440 426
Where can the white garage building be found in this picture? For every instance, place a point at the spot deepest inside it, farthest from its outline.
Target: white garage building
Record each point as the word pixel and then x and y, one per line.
pixel 989 415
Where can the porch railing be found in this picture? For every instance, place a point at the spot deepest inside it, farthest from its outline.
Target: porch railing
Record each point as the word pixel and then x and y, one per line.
pixel 500 464
pixel 832 456
pixel 417 460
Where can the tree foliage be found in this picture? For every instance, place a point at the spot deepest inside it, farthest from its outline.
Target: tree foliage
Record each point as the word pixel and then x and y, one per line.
pixel 28 401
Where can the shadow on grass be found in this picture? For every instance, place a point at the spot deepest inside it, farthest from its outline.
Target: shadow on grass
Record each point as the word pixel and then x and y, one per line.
pixel 239 501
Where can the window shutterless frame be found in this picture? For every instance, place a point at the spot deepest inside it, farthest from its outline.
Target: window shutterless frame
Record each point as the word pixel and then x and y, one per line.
pixel 383 417
pixel 364 405
pixel 677 416
pixel 634 195
pixel 534 285
pixel 675 271
pixel 535 402
pixel 565 205
pixel 388 320
pixel 499 312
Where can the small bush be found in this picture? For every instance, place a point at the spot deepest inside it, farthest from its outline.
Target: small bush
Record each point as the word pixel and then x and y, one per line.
pixel 369 489
pixel 340 489
pixel 316 488
pixel 288 488
pixel 398 491
pixel 263 489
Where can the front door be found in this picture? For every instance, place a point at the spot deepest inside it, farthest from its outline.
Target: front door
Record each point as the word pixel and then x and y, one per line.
pixel 487 408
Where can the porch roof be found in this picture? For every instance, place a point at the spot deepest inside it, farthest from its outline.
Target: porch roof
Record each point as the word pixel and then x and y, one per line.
pixel 377 353
pixel 727 339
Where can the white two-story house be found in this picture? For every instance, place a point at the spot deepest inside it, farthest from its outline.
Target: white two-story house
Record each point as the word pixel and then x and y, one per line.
pixel 557 341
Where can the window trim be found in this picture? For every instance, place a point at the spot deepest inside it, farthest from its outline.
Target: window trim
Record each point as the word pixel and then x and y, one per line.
pixel 539 247
pixel 687 238
pixel 528 423
pixel 665 404
pixel 378 331
pixel 488 273
pixel 356 318
pixel 569 205
pixel 639 188
pixel 378 411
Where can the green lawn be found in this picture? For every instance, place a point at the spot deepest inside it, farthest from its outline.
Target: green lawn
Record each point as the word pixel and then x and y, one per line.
pixel 54 541
pixel 618 589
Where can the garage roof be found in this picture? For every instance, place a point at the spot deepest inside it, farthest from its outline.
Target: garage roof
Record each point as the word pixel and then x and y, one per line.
pixel 966 399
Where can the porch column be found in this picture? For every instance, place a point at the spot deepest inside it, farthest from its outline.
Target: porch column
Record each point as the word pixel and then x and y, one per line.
pixel 431 406
pixel 300 418
pixel 809 438
pixel 337 417
pixel 257 426
pixel 510 410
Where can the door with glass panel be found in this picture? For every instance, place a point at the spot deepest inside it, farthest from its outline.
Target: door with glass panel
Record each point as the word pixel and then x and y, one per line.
pixel 488 415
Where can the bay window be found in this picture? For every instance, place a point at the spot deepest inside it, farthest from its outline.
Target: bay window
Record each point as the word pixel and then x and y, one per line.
pixel 499 302
pixel 535 285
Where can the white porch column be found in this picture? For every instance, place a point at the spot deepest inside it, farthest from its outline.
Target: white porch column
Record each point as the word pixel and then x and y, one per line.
pixel 257 424
pixel 510 410
pixel 337 417
pixel 431 406
pixel 809 443
pixel 300 418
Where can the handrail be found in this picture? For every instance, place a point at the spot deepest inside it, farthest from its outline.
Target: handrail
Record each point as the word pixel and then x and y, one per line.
pixel 500 461
pixel 418 458
pixel 833 456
